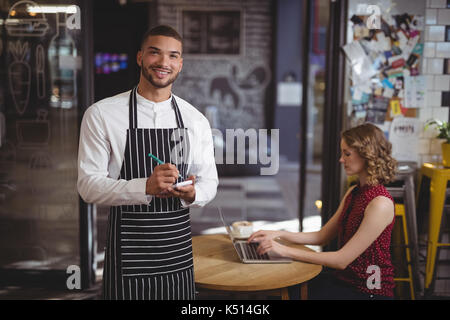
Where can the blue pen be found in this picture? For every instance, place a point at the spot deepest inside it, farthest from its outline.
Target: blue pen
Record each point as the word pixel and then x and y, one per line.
pixel 160 162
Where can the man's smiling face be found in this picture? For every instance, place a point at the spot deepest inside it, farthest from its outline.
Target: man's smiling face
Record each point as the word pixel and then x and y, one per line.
pixel 160 60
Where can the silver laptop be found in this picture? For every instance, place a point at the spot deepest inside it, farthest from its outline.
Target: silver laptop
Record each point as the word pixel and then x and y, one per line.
pixel 247 251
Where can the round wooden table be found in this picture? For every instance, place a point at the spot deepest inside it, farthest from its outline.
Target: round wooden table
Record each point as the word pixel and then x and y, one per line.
pixel 217 267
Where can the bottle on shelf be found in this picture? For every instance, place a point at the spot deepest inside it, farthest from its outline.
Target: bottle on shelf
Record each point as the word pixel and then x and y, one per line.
pixel 62 56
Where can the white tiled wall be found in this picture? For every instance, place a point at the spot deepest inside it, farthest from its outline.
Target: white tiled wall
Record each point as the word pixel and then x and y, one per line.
pixel 429 49
pixel 443 16
pixel 442 82
pixel 435 66
pixel 436 50
pixel 430 16
pixel 433 99
pixel 435 33
pixel 436 3
pixel 443 49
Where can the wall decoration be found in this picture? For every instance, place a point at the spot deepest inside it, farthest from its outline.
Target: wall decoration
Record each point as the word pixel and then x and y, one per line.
pixel 385 81
pixel 236 85
pixel 211 31
pixel 404 136
pixel 40 71
pixel 222 91
pixel 34 133
pixel 23 21
pixel 19 75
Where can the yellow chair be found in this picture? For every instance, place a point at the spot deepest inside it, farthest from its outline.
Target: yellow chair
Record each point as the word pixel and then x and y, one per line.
pixel 400 213
pixel 439 176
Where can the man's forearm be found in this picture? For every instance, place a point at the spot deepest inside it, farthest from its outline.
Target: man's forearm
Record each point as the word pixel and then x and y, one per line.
pixel 112 192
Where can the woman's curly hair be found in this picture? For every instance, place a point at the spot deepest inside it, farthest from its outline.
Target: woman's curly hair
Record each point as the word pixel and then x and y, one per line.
pixel 371 144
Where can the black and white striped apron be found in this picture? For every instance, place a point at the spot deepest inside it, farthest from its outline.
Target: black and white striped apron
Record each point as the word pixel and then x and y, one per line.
pixel 149 247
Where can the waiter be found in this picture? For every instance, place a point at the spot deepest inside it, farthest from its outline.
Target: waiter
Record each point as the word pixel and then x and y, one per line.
pixel 149 245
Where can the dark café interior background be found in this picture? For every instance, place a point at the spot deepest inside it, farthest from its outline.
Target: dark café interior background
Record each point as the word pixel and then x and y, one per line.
pixel 308 68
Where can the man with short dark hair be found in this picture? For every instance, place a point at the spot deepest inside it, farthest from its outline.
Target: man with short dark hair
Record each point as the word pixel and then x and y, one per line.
pixel 134 147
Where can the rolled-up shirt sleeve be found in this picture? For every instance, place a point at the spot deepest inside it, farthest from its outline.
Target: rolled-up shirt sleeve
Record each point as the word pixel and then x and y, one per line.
pixel 95 185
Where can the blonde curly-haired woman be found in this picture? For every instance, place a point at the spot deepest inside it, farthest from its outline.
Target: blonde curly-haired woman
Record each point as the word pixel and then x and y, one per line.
pixel 362 223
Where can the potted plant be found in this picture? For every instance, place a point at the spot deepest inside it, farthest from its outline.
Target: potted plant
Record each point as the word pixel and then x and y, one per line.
pixel 444 133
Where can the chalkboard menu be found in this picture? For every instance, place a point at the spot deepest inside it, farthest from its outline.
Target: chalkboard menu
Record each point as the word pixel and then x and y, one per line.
pixel 211 32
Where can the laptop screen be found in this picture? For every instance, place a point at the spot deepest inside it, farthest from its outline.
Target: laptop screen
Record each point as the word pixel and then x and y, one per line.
pixel 227 227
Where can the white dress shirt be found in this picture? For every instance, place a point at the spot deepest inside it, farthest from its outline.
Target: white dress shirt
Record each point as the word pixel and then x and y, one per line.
pixel 102 144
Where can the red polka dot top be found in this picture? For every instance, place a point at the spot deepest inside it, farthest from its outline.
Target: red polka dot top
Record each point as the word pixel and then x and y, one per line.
pixel 377 254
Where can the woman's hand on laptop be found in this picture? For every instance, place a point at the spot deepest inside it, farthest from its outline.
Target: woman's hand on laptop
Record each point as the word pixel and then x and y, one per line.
pixel 262 235
pixel 273 246
pixel 266 240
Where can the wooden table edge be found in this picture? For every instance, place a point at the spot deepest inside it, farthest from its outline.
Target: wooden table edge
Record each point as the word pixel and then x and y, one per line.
pixel 253 288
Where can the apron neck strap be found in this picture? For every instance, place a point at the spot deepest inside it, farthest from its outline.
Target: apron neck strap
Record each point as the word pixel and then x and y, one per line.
pixel 133 110
pixel 180 123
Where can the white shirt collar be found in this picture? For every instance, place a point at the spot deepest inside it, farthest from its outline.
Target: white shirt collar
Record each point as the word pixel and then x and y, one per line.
pixel 145 102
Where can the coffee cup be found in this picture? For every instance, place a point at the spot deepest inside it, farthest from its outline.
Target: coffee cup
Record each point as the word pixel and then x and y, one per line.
pixel 242 229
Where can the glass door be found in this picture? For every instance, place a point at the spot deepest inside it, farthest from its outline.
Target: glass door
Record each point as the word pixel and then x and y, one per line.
pixel 313 116
pixel 40 68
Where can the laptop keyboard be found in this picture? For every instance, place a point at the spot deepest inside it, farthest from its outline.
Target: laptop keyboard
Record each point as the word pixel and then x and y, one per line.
pixel 251 253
